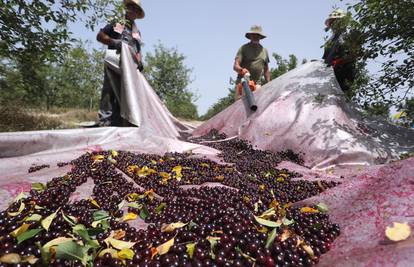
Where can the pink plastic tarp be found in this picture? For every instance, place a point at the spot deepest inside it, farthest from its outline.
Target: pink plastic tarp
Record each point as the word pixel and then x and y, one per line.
pixel 305 110
pixel 369 198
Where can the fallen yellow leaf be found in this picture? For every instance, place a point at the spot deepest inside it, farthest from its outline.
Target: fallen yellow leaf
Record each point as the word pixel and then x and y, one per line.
pixel 23 228
pixel 118 234
pixel 168 228
pixel 398 232
pixel 219 178
pixel 285 235
pixel 177 169
pixel 114 153
pixel 149 194
pixel 130 216
pixel 126 254
pixel 308 210
pixel 131 169
pixel 165 247
pixel 145 171
pixel 133 197
pixel 93 201
pixel 98 158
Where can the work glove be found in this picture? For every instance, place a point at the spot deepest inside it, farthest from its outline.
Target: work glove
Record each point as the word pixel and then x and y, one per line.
pixel 252 86
pixel 243 72
pixel 140 66
pixel 337 62
pixel 117 43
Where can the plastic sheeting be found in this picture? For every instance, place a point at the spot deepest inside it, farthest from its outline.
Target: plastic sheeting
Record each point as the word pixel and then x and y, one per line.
pixel 368 200
pixel 364 205
pixel 139 104
pixel 305 111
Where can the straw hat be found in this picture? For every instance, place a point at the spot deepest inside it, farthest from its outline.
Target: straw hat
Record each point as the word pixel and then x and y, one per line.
pixel 255 29
pixel 141 13
pixel 336 14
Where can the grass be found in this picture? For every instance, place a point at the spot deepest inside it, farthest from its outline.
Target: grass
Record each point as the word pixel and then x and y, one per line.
pixel 17 118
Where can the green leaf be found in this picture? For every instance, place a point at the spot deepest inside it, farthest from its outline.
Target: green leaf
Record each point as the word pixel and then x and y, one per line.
pixel 46 222
pixel 33 218
pixel 121 204
pixel 322 207
pixel 252 177
pixel 70 219
pixel 111 160
pixel 38 186
pixel 271 237
pixel 119 244
pixel 93 243
pixel 191 225
pixel 213 242
pixel 28 234
pixel 134 205
pixel 287 222
pixel 144 213
pixel 20 196
pixel 21 208
pixel 160 207
pixel 267 213
pixel 70 250
pixel 317 226
pixel 93 232
pixel 100 215
pixel 104 224
pixel 244 254
pixel 267 222
pixel 81 230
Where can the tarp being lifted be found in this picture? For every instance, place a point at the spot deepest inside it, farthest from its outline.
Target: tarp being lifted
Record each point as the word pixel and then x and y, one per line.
pixel 303 110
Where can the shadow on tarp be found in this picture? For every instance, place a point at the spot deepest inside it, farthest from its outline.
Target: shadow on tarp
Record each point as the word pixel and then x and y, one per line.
pixel 305 110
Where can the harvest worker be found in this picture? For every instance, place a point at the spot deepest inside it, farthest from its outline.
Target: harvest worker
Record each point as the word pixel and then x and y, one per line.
pixel 342 49
pixel 252 58
pixel 113 35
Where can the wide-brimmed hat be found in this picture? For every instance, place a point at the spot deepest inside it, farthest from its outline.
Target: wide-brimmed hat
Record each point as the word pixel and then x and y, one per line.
pixel 336 14
pixel 141 13
pixel 255 29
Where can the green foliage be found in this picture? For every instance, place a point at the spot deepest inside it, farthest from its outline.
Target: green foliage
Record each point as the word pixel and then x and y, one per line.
pixel 75 82
pixel 221 104
pixel 284 65
pixel 165 70
pixel 406 117
pixel 182 107
pixel 38 29
pixel 388 34
pixel 379 109
pixel 34 37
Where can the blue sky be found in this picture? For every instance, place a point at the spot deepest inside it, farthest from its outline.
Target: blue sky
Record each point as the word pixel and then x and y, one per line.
pixel 209 34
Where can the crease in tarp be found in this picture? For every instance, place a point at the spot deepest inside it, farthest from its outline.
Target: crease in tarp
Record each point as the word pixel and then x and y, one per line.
pixel 331 133
pixel 305 110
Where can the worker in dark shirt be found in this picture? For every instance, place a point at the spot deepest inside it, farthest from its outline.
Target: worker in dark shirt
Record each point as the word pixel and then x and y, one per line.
pixel 341 49
pixel 113 35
